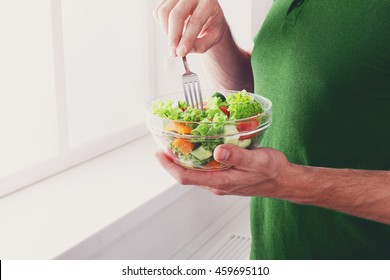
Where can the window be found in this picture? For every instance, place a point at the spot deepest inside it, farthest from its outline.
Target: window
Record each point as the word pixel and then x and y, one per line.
pixel 104 46
pixel 74 76
pixel 27 96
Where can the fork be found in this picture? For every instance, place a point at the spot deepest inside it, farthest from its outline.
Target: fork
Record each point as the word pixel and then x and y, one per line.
pixel 191 87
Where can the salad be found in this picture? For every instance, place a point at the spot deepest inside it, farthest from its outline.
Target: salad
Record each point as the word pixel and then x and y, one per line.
pixel 193 134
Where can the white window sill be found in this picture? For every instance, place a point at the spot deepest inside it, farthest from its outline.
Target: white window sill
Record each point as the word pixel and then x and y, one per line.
pixel 49 218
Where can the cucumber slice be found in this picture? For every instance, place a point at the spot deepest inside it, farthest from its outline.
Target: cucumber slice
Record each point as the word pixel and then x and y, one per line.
pixel 201 154
pixel 231 129
pixel 244 143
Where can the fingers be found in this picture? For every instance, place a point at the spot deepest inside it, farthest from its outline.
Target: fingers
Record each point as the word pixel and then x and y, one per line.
pixel 172 168
pixel 163 11
pixel 185 20
pixel 181 174
pixel 156 9
pixel 176 22
pixel 190 177
pixel 184 42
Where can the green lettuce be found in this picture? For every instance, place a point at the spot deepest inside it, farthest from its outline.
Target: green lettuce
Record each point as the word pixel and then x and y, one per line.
pixel 173 110
pixel 167 109
pixel 243 106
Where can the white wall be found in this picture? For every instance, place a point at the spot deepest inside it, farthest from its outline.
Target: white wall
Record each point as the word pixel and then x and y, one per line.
pixel 260 10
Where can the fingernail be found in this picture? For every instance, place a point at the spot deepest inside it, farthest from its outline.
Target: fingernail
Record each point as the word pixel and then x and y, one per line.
pixel 222 154
pixel 181 50
pixel 172 51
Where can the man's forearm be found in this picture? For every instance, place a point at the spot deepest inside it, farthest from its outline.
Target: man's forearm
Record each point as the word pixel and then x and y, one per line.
pixel 229 66
pixel 361 193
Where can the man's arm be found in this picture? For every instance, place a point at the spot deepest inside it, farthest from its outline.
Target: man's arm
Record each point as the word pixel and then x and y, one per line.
pixel 362 193
pixel 228 65
pixel 266 172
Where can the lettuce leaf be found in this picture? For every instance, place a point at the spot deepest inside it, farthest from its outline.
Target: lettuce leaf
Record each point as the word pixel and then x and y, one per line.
pixel 242 106
pixel 173 110
pixel 167 109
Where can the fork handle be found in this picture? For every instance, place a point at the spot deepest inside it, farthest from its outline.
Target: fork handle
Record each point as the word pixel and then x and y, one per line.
pixel 186 64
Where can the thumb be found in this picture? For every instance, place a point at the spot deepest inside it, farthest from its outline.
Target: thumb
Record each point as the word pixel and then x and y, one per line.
pixel 236 156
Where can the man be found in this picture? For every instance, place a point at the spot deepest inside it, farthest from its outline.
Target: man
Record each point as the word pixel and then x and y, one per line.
pixel 321 188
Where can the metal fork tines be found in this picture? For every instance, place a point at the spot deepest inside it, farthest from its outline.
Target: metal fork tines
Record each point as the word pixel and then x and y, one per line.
pixel 191 87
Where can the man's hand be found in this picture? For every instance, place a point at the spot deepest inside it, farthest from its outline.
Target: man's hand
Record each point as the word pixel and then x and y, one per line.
pixel 191 25
pixel 260 172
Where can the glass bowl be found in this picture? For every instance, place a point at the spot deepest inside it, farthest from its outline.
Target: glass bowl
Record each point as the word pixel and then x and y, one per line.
pixel 175 137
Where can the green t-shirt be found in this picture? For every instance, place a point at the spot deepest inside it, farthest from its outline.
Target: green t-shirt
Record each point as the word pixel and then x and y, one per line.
pixel 325 65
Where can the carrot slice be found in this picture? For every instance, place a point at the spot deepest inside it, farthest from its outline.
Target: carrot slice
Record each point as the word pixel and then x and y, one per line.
pixel 183 145
pixel 178 127
pixel 212 164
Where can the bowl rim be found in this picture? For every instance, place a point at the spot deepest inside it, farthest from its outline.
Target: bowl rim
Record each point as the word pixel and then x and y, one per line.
pixel 161 132
pixel 266 111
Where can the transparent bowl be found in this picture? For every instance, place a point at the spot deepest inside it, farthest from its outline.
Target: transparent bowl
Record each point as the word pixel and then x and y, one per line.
pixel 246 133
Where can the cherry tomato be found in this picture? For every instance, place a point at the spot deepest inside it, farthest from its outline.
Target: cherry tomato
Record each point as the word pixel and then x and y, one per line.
pixel 247 126
pixel 225 110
